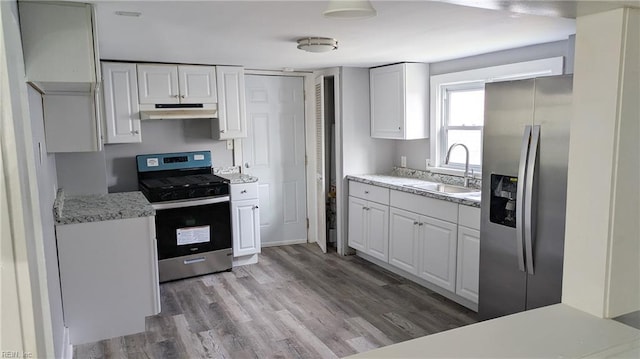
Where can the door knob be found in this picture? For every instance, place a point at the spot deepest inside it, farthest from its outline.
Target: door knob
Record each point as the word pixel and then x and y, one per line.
pixel 221 131
pixel 246 165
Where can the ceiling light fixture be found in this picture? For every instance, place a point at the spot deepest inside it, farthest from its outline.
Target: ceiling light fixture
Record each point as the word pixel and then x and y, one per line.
pixel 317 44
pixel 349 9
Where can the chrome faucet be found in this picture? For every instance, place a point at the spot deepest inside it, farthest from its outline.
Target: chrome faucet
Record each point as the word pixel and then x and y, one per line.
pixel 466 164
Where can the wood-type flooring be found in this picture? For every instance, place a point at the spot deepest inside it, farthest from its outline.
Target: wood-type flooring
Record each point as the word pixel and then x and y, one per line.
pixel 295 303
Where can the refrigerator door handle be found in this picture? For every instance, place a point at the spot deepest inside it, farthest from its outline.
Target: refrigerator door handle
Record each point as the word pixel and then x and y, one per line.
pixel 524 153
pixel 529 214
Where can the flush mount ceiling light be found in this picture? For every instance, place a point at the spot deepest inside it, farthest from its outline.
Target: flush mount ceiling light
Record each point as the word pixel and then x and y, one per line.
pixel 349 9
pixel 317 44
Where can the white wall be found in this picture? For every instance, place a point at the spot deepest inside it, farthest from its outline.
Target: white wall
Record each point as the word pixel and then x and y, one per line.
pixel 358 152
pixel 161 136
pixel 26 269
pixel 417 151
pixel 602 242
pixel 47 188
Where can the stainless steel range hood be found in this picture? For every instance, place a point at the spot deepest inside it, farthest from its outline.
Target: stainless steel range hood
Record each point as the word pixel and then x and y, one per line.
pixel 178 111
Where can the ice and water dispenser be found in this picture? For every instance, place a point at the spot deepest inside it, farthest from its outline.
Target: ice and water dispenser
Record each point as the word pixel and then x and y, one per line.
pixel 502 208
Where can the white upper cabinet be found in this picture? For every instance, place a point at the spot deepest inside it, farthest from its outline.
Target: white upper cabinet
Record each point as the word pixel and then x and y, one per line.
pixel 158 84
pixel 172 84
pixel 197 84
pixel 399 97
pixel 121 110
pixel 61 61
pixel 231 121
pixel 60 50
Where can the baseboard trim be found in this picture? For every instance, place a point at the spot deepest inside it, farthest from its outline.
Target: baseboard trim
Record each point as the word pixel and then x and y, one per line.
pixel 443 292
pixel 283 243
pixel 245 260
pixel 67 348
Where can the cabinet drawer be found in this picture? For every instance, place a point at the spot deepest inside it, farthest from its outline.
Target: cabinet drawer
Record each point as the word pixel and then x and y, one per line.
pixel 244 191
pixel 426 206
pixel 369 192
pixel 469 217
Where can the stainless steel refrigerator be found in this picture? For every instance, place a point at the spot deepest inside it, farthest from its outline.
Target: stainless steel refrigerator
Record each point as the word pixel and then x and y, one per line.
pixel 524 186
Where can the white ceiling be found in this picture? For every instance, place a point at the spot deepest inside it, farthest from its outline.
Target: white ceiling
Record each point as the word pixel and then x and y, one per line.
pixel 262 34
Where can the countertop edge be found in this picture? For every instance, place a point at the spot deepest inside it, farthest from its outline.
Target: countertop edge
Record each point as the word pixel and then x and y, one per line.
pixel 444 197
pixel 558 331
pixel 97 208
pixel 238 178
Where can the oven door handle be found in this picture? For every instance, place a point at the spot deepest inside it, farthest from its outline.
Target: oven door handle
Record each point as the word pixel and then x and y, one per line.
pixel 189 203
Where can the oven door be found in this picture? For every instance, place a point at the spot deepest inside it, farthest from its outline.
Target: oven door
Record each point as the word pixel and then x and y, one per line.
pixel 192 226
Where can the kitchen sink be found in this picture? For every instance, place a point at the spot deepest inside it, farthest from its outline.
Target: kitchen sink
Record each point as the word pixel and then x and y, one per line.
pixel 442 188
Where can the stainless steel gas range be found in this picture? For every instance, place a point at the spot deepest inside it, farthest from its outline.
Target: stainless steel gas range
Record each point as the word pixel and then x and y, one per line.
pixel 193 217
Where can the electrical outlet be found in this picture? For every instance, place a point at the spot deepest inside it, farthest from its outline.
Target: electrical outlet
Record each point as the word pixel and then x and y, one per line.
pixel 403 161
pixel 229 144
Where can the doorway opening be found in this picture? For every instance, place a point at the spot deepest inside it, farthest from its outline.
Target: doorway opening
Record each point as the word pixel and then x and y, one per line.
pixel 330 162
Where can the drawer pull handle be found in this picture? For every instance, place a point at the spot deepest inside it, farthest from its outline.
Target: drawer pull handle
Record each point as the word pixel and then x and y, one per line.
pixel 421 224
pixel 415 223
pixel 194 260
pixel 243 191
pixel 366 192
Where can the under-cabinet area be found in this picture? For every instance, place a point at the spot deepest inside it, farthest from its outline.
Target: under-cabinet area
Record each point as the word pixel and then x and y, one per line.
pixel 433 242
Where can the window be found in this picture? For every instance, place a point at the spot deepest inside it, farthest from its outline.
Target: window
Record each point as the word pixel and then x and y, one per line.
pixel 462 124
pixel 457 109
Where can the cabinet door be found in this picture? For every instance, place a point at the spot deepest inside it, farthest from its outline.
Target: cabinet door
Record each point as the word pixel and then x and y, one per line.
pixel 357 224
pixel 403 240
pixel 468 263
pixel 158 84
pixel 378 230
pixel 438 243
pixel 197 84
pixel 387 101
pixel 245 221
pixel 71 123
pixel 232 122
pixel 122 116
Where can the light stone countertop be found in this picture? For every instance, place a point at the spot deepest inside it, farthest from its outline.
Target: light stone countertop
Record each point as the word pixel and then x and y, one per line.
pixel 556 331
pixel 237 178
pixel 399 184
pixel 100 207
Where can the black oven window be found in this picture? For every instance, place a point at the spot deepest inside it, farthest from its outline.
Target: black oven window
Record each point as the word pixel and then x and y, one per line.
pixel 191 230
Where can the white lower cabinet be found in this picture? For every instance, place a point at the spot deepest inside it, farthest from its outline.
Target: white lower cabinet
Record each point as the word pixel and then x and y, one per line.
pixel 245 219
pixel 468 270
pixel 437 248
pixel 434 240
pixel 369 227
pixel 423 246
pixel 404 236
pixel 108 277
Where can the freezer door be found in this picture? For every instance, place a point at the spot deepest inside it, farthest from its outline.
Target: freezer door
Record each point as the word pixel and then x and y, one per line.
pixel 508 109
pixel 552 114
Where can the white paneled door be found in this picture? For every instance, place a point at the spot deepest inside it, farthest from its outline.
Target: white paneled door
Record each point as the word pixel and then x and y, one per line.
pixel 274 151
